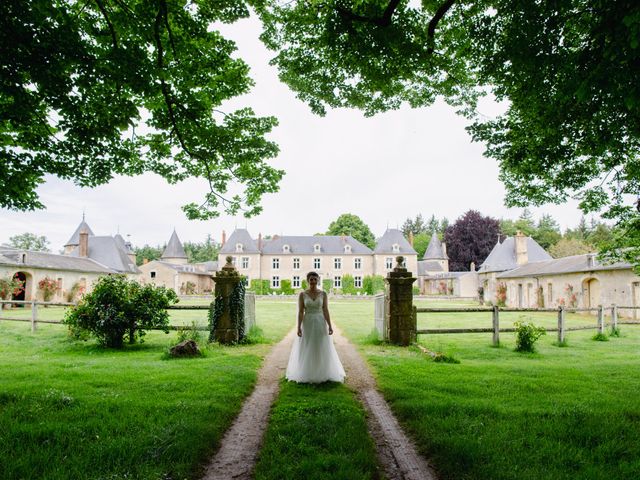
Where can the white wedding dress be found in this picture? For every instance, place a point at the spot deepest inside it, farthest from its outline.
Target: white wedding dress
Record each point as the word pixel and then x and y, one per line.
pixel 313 357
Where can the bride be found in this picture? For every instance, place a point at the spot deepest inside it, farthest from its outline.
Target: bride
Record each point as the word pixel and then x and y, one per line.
pixel 313 357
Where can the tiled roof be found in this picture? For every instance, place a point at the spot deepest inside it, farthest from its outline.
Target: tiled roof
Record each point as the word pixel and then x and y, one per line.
pixel 573 264
pixel 240 236
pixel 105 250
pixel 393 236
pixel 174 248
pixel 75 238
pixel 434 250
pixel 503 255
pixel 52 261
pixel 329 244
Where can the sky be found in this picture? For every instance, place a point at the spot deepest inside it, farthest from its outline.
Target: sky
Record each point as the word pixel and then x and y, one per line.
pixel 384 169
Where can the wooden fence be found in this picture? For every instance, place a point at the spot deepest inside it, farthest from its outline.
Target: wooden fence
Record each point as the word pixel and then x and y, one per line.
pixel 250 313
pixel 495 315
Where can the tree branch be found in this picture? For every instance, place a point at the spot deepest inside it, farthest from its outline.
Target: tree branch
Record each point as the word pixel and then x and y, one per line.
pixel 383 21
pixel 103 10
pixel 431 29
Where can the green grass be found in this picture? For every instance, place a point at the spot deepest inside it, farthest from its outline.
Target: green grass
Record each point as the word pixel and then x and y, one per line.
pixel 70 409
pixel 316 432
pixel 561 413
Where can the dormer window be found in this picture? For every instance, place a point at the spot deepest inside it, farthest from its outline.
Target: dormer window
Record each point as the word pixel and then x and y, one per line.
pixel 286 249
pixel 316 248
pixel 347 249
pixel 395 247
pixel 239 247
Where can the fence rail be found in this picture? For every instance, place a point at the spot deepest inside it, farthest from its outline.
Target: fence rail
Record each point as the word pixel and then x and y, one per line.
pixel 495 314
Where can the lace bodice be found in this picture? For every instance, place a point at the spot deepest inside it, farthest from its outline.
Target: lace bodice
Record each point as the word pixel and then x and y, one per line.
pixel 311 305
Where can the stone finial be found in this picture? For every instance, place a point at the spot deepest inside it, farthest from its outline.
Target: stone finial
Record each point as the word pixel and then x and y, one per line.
pixel 399 262
pixel 228 269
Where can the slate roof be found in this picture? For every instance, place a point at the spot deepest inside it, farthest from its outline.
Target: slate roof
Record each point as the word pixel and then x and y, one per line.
pixel 503 255
pixel 434 250
pixel 52 261
pixel 75 238
pixel 390 237
pixel 126 246
pixel 558 266
pixel 184 268
pixel 449 275
pixel 240 235
pixel 209 266
pixel 425 266
pixel 174 248
pixel 329 244
pixel 105 250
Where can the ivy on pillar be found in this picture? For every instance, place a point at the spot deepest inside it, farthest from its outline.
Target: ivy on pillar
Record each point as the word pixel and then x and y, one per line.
pixel 226 316
pixel 402 320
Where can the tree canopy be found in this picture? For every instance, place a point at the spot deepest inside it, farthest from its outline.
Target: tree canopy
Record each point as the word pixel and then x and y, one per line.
pixel 29 241
pixel 89 90
pixel 470 239
pixel 568 71
pixel 349 224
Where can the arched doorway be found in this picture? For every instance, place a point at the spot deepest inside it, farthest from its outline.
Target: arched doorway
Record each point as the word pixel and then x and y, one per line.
pixel 21 293
pixel 591 291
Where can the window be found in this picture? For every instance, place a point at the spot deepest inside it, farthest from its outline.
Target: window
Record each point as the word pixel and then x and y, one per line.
pixel 347 249
pixel 316 264
pixel 59 283
pixel 245 262
pixel 152 274
pixel 275 282
pixel 295 282
pixel 239 247
pixel 337 263
pixel 296 263
pixel 316 247
pixel 337 282
pixel 286 249
pixel 233 261
pixel 357 263
pixel 357 282
pixel 275 263
pixel 395 248
pixel 389 263
pixel 550 294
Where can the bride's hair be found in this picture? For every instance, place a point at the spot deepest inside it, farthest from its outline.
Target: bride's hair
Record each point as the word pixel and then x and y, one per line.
pixel 312 274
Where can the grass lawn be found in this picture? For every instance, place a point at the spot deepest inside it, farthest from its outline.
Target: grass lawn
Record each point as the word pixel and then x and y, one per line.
pixel 561 413
pixel 70 409
pixel 316 432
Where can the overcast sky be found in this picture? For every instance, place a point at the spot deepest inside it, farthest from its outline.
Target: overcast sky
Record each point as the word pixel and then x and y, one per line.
pixel 383 169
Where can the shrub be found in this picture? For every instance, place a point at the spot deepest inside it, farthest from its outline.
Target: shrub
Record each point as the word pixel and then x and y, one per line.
pixel 77 290
pixel 10 286
pixel 260 287
pixel 348 285
pixel 304 285
pixel 285 287
pixel 372 284
pixel 527 334
pixel 600 337
pixel 117 306
pixel 501 294
pixel 327 284
pixel 48 287
pixel 572 298
pixel 190 333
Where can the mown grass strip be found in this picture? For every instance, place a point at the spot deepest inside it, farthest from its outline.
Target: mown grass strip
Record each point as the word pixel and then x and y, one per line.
pixel 317 432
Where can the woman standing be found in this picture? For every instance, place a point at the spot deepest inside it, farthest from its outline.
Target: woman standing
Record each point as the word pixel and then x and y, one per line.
pixel 313 357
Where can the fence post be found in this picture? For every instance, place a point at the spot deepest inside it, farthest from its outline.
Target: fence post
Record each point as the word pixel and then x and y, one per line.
pixel 614 317
pixel 560 324
pixel 34 315
pixel 600 319
pixel 496 326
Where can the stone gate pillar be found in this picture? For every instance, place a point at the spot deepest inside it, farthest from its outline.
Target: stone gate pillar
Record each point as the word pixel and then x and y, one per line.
pixel 402 322
pixel 225 282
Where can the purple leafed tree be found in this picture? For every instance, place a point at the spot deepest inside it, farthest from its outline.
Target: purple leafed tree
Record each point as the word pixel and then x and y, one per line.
pixel 470 239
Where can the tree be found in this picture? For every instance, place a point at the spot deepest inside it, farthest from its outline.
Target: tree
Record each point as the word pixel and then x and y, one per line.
pixel 421 242
pixel 416 226
pixel 349 224
pixel 202 252
pixel 116 306
pixel 567 70
pixel 90 90
pixel 29 241
pixel 470 239
pixel 547 232
pixel 147 253
pixel 567 247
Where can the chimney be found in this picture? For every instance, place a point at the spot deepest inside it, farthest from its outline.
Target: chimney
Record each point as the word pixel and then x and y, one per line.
pixel 411 238
pixel 591 260
pixel 224 238
pixel 522 257
pixel 472 267
pixel 83 248
pixel 260 241
pixel 145 261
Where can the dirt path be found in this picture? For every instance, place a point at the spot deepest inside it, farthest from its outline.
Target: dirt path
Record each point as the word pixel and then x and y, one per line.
pixel 237 456
pixel 396 452
pixel 241 443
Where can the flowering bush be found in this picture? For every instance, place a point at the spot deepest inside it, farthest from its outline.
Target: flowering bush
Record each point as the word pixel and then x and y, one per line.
pixel 10 286
pixel 442 288
pixel 572 298
pixel 501 294
pixel 48 287
pixel 77 291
